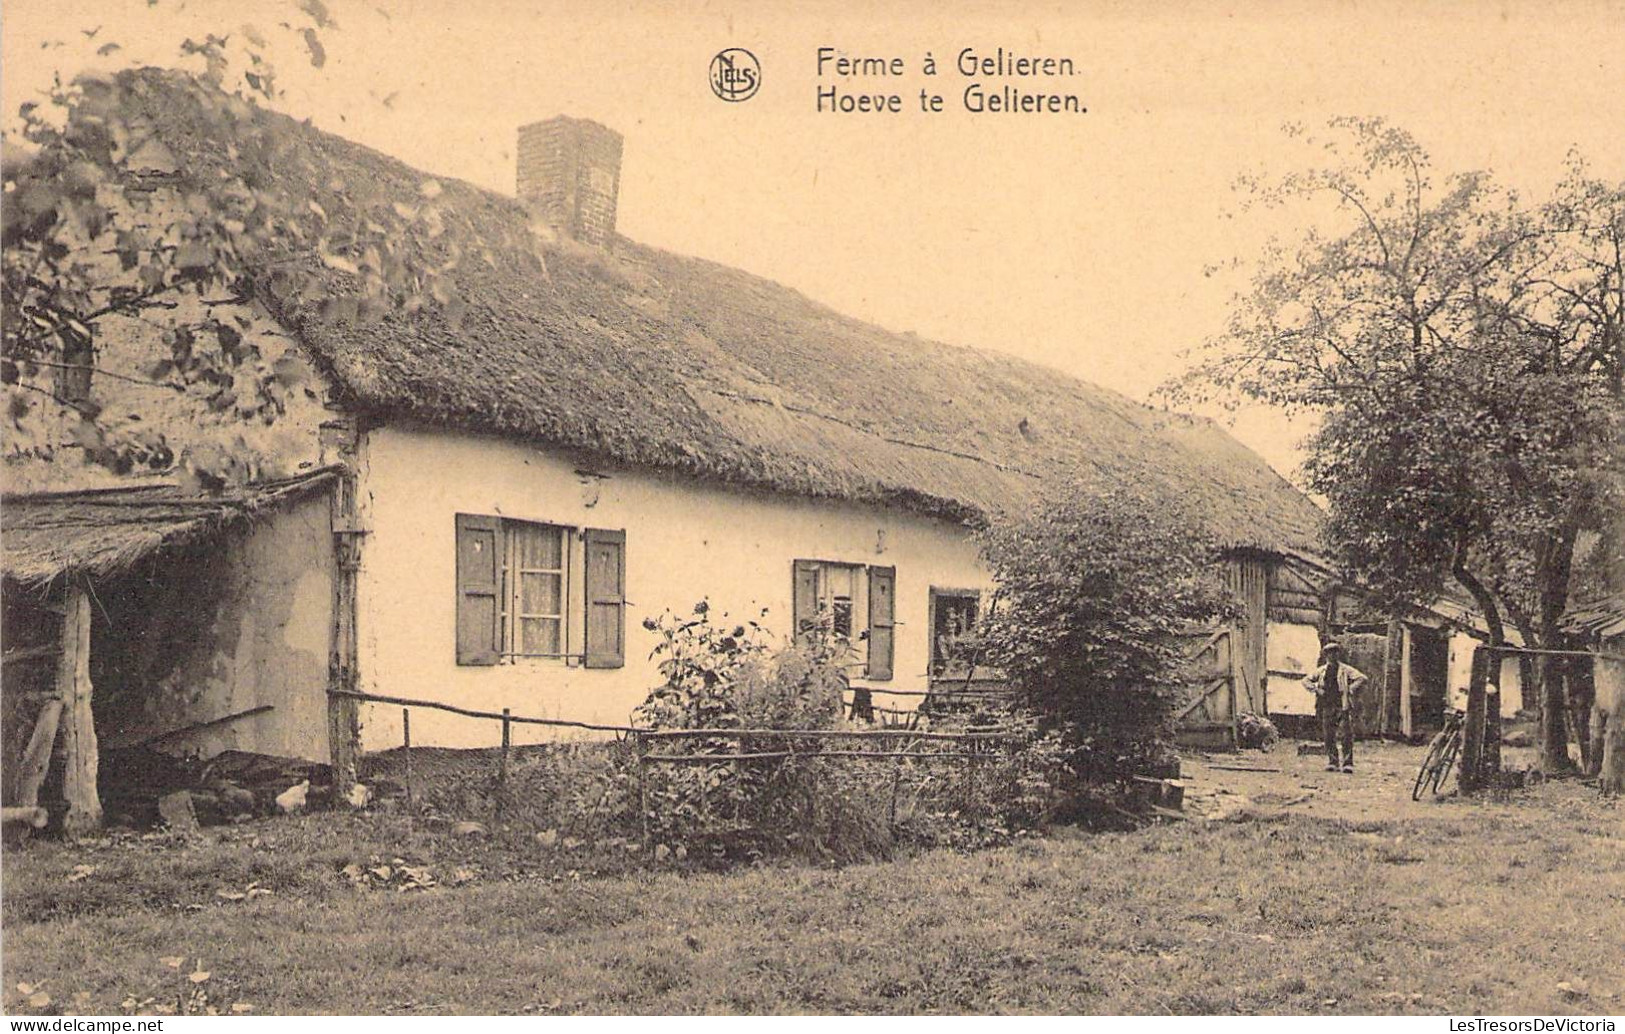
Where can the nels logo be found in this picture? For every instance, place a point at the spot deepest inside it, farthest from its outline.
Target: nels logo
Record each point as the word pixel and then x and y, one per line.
pixel 736 75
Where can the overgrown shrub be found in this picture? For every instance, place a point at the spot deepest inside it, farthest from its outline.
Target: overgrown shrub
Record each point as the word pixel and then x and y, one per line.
pixel 795 797
pixel 1096 592
pixel 724 675
pixel 587 790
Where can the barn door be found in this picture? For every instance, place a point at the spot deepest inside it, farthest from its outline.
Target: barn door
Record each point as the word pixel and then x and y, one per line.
pixel 1248 579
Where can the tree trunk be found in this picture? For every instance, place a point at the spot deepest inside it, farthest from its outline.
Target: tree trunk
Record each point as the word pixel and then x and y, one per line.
pixel 1608 720
pixel 1471 774
pixel 1612 773
pixel 1599 720
pixel 1556 567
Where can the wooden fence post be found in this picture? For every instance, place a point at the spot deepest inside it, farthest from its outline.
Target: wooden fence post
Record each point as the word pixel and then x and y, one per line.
pixel 896 778
pixel 406 740
pixel 502 771
pixel 78 724
pixel 641 747
pixel 739 785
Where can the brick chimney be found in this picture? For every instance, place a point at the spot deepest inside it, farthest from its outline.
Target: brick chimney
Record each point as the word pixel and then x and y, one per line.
pixel 570 175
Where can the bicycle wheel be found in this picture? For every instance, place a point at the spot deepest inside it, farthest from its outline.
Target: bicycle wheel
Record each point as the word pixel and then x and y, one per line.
pixel 1452 749
pixel 1429 764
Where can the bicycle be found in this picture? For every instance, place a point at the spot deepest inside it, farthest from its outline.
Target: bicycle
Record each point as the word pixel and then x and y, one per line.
pixel 1441 756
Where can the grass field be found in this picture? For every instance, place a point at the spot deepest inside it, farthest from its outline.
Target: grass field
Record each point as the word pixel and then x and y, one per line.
pixel 1511 906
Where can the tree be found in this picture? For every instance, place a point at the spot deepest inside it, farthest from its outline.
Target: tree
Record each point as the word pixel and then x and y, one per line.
pixel 1464 407
pixel 1097 595
pixel 141 291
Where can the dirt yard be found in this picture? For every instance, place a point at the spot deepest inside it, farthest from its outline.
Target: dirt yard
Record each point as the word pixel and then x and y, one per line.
pixel 1303 892
pixel 1379 788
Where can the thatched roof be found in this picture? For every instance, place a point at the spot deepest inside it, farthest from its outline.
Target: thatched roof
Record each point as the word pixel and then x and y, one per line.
pixel 102 532
pixel 652 358
pixel 1602 618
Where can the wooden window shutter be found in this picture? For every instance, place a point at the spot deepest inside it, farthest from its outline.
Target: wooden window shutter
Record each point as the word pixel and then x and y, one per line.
pixel 479 581
pixel 804 599
pixel 882 621
pixel 606 599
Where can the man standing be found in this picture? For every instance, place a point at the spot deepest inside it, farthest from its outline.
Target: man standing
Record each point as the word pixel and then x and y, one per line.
pixel 1336 686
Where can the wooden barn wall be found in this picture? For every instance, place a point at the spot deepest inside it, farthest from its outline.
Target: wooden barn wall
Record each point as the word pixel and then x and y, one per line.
pixel 1293 594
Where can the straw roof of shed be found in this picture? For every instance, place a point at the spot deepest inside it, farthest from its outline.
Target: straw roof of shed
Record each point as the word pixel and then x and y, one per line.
pixel 656 359
pixel 104 532
pixel 1602 618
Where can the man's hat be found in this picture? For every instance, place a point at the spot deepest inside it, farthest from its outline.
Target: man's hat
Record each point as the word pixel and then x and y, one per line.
pixel 1331 645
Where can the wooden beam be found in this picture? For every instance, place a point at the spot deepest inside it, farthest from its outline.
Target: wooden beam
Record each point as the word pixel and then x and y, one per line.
pixel 343 439
pixel 1406 683
pixel 34 818
pixel 79 751
pixel 1393 679
pixel 37 755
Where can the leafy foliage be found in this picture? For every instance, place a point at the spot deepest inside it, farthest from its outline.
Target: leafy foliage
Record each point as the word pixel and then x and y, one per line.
pixel 1465 353
pixel 139 287
pixel 792 795
pixel 1099 592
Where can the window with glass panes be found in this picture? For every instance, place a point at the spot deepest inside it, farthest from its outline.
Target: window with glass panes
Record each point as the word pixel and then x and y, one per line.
pixel 535 583
pixel 515 597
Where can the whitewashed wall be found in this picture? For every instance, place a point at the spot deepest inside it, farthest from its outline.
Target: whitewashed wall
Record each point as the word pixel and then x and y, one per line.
pixel 684 540
pixel 1461 673
pixel 1296 648
pixel 257 631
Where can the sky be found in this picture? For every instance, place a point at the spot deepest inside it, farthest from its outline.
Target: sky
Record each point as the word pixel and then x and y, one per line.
pixel 1084 242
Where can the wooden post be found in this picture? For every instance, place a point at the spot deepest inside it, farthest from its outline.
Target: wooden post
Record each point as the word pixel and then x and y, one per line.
pixel 37 755
pixel 1406 719
pixel 1491 766
pixel 739 784
pixel 896 779
pixel 78 725
pixel 406 749
pixel 502 771
pixel 1235 719
pixel 341 443
pixel 1393 712
pixel 640 746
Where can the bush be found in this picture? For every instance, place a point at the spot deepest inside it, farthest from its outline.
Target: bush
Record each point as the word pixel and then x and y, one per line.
pixel 725 675
pixel 722 676
pixel 1096 593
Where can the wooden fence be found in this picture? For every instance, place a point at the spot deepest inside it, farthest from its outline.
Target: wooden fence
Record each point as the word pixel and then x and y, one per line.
pixel 730 747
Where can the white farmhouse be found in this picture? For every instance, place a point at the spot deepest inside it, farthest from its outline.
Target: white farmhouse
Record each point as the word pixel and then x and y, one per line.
pixel 589 432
